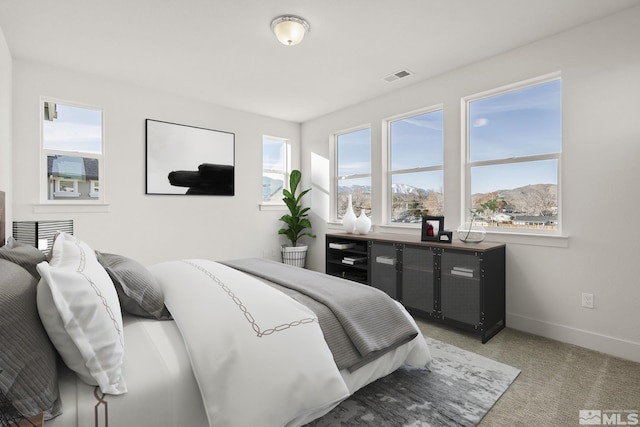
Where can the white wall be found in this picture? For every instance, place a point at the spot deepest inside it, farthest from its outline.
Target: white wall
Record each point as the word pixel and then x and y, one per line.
pixel 600 66
pixel 5 126
pixel 149 228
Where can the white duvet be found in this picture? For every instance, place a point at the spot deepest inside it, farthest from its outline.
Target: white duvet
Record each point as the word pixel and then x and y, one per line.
pixel 163 391
pixel 268 366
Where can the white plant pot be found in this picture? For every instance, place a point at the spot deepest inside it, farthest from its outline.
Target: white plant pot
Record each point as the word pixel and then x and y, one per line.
pixel 294 255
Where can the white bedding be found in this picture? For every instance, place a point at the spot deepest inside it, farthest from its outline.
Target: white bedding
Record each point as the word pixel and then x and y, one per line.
pixel 162 389
pixel 245 380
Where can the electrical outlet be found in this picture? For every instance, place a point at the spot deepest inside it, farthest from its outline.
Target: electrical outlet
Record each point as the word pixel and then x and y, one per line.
pixel 587 300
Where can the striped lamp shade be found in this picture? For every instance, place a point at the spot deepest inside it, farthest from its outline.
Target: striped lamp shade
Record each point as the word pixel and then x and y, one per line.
pixel 40 233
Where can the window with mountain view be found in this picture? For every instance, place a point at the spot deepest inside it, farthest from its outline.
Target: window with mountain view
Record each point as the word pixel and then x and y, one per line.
pixel 416 167
pixel 353 171
pixel 514 144
pixel 72 145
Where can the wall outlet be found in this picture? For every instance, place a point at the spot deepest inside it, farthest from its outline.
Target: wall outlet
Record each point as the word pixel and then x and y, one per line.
pixel 587 300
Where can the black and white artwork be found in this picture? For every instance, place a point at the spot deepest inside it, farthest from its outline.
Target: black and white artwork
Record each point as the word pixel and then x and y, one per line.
pixel 189 160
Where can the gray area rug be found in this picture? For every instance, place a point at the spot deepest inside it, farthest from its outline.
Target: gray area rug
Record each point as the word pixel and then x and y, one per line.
pixel 457 389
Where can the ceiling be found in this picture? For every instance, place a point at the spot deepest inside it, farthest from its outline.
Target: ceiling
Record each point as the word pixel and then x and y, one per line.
pixel 223 51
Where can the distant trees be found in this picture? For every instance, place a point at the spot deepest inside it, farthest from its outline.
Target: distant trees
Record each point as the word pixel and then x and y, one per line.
pixel 539 202
pixel 409 206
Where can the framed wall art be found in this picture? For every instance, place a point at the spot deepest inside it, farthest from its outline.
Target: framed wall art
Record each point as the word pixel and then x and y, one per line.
pixel 431 227
pixel 189 160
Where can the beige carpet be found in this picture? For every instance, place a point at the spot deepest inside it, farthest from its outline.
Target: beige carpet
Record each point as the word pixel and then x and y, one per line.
pixel 556 381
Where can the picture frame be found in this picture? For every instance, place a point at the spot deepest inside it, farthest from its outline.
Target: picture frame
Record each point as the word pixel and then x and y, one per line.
pixel 445 236
pixel 431 227
pixel 188 160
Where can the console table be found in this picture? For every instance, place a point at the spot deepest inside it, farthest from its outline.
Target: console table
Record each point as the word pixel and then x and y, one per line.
pixel 458 284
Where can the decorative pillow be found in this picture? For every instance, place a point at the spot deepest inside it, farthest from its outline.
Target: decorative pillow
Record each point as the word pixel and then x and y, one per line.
pixel 79 308
pixel 29 376
pixel 24 255
pixel 138 290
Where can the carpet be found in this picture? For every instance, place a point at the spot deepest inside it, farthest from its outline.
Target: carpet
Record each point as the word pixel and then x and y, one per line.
pixel 457 389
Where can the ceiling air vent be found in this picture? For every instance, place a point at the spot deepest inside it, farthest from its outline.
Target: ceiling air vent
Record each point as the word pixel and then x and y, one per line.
pixel 398 75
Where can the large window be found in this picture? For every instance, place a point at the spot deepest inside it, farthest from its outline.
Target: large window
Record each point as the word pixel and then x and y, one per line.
pixel 514 145
pixel 353 170
pixel 416 167
pixel 72 146
pixel 275 168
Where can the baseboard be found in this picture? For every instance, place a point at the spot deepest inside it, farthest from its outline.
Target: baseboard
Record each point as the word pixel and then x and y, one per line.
pixel 605 344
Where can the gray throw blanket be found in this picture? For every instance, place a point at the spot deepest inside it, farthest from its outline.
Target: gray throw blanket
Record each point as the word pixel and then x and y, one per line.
pixel 360 323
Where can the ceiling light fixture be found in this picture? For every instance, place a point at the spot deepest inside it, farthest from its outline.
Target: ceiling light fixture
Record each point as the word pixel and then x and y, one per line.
pixel 289 29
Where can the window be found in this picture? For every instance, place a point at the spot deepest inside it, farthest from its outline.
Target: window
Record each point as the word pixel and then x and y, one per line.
pixel 72 144
pixel 353 171
pixel 275 168
pixel 416 167
pixel 514 144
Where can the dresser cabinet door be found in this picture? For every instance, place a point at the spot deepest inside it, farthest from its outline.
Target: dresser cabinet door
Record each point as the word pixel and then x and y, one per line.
pixel 460 278
pixel 418 278
pixel 384 271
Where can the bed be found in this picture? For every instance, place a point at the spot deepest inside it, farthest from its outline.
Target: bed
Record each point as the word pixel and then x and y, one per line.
pixel 190 342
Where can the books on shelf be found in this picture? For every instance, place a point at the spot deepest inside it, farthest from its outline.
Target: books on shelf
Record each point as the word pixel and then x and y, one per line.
pixel 382 259
pixel 354 260
pixel 462 271
pixel 339 245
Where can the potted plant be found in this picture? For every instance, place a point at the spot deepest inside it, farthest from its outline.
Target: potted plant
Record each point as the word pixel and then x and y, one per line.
pixel 470 232
pixel 297 222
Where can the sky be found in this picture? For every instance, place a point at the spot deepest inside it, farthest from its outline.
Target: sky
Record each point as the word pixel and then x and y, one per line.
pixel 273 153
pixel 75 129
pixel 523 122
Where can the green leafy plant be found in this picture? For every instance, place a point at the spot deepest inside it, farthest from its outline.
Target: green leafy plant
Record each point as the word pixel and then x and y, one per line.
pixel 297 220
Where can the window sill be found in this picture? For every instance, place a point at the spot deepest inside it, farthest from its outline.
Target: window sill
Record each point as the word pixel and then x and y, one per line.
pixel 66 194
pixel 548 240
pixel 272 207
pixel 71 208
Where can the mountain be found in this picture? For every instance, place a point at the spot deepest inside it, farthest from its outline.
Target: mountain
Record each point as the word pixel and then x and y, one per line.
pixel 395 189
pixel 407 189
pixel 535 199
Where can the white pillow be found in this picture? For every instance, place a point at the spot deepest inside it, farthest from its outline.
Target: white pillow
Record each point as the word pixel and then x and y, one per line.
pixel 79 308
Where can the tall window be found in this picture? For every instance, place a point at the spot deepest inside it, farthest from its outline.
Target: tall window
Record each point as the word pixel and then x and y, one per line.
pixel 73 148
pixel 514 145
pixel 416 167
pixel 353 161
pixel 275 168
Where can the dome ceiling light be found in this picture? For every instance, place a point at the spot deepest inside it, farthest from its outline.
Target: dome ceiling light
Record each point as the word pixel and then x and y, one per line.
pixel 289 29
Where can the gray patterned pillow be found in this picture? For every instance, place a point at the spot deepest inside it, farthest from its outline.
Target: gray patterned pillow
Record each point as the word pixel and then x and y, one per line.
pixel 29 376
pixel 24 255
pixel 139 292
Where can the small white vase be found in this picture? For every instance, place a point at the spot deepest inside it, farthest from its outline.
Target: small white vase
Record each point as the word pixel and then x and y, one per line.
pixel 349 219
pixel 363 223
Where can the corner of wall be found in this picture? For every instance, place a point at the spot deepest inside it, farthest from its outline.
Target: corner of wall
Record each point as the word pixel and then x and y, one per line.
pixel 6 121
